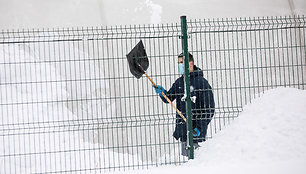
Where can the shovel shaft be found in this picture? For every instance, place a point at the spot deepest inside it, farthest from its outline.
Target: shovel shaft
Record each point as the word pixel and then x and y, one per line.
pixel 169 101
pixel 150 79
pixel 178 111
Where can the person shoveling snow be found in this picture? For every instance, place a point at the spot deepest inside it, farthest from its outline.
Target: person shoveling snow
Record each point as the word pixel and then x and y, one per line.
pixel 202 105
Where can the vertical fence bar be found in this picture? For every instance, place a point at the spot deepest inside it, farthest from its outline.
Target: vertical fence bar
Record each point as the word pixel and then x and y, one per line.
pixel 187 88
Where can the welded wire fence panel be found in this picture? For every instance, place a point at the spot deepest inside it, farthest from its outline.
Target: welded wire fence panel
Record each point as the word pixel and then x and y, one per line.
pixel 247 56
pixel 69 104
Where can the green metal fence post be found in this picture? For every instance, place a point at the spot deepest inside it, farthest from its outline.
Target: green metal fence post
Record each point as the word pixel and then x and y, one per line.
pixel 187 88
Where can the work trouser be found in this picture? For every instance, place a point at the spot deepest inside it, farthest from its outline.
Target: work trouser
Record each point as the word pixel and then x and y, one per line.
pixel 185 150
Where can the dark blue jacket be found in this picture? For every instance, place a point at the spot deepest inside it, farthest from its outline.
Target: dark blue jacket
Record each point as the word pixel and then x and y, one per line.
pixel 203 105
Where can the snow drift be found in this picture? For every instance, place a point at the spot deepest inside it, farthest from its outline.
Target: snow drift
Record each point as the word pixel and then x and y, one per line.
pixel 267 137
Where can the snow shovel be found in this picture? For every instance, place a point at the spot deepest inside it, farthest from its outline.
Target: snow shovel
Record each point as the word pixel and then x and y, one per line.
pixel 139 63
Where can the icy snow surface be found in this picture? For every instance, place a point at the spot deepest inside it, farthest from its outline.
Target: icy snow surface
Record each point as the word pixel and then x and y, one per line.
pixel 267 137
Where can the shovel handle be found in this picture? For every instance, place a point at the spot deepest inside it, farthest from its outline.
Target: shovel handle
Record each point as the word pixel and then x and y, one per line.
pixel 168 100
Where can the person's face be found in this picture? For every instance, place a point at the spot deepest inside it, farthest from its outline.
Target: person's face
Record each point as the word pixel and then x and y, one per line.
pixel 180 60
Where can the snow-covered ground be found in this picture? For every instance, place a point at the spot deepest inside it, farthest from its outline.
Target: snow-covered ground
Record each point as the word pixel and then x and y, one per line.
pixel 268 137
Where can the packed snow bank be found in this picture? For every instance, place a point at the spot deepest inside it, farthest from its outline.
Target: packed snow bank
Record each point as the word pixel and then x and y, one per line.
pixel 271 128
pixel 267 137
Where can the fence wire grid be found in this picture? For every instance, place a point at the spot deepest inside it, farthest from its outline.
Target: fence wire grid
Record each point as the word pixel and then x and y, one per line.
pixel 69 104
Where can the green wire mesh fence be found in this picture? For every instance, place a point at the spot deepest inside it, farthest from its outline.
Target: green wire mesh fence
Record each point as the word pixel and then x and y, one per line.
pixel 244 57
pixel 69 104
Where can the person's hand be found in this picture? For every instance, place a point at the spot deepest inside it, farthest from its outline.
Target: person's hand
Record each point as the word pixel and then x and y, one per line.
pixel 159 90
pixel 196 132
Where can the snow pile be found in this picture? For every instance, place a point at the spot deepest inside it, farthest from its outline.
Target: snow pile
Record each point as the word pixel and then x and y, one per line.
pixel 271 128
pixel 267 137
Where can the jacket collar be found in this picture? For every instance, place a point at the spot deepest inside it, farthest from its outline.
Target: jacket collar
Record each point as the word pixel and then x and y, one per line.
pixel 196 72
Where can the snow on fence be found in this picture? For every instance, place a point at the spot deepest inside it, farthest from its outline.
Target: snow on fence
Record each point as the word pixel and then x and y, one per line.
pixel 68 103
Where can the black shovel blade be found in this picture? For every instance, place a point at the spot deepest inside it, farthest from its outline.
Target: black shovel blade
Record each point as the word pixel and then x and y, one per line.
pixel 138 60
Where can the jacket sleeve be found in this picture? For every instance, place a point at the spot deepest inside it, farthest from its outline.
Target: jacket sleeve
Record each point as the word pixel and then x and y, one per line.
pixel 171 94
pixel 205 109
pixel 207 104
